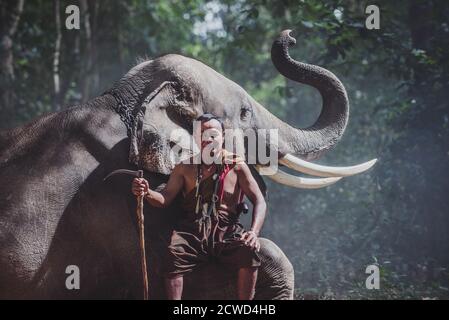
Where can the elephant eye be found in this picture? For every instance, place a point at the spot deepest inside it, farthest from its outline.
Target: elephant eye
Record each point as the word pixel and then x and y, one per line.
pixel 245 113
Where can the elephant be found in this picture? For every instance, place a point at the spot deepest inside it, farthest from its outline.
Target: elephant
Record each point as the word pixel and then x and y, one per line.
pixel 57 211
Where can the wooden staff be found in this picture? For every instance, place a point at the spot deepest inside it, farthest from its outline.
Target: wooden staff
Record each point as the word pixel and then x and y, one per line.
pixel 141 227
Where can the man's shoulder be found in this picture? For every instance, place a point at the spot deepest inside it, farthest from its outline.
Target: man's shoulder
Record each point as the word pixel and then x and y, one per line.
pixel 241 167
pixel 183 168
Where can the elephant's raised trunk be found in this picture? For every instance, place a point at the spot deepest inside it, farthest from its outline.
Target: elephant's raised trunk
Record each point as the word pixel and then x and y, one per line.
pixel 309 143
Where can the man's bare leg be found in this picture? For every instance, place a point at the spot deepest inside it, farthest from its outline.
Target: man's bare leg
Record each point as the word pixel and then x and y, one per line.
pixel 246 283
pixel 173 287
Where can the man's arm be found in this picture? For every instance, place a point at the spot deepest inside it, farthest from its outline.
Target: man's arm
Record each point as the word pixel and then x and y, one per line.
pixel 165 197
pixel 251 189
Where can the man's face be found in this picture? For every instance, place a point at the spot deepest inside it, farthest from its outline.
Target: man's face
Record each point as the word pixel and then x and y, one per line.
pixel 211 137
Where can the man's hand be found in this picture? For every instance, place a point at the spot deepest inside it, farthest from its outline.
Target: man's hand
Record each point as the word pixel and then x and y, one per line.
pixel 140 187
pixel 251 240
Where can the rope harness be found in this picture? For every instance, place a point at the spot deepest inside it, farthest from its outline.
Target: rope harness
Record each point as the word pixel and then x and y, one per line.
pixel 209 216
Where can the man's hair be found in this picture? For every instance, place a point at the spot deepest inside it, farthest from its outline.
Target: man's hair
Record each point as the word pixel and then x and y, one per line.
pixel 205 117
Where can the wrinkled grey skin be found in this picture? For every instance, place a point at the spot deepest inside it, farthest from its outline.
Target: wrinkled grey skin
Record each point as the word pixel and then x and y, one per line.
pixel 55 209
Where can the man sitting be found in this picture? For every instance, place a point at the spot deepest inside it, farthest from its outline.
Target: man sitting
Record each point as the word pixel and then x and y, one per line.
pixel 209 225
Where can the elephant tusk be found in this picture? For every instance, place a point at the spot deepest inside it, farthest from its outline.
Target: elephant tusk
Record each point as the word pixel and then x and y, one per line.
pixel 300 182
pixel 313 169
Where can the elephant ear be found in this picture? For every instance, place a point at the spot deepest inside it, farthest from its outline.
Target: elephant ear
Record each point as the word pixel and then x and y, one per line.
pixel 177 102
pixel 159 95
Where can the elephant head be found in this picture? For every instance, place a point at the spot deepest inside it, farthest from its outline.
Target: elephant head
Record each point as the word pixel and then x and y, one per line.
pixel 162 96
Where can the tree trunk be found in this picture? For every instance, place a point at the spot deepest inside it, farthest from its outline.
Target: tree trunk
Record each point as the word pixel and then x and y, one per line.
pixel 56 55
pixel 89 77
pixel 10 12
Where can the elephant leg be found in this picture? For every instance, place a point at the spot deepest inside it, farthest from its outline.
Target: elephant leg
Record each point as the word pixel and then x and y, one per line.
pixel 275 279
